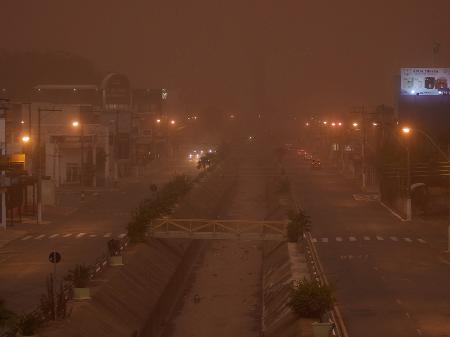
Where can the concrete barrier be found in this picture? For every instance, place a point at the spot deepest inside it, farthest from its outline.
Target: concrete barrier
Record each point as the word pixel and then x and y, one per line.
pixel 283 265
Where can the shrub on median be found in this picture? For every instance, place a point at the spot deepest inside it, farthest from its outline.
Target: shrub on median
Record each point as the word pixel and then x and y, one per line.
pixel 310 300
pixel 151 209
pixel 299 223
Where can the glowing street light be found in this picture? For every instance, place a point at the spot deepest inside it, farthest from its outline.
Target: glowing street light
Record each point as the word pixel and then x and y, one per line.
pixel 406 130
pixel 325 122
pixel 75 124
pixel 172 122
pixel 25 139
pixel 355 125
pixel 307 124
pixel 333 124
pixel 340 124
pixel 158 121
pixel 375 124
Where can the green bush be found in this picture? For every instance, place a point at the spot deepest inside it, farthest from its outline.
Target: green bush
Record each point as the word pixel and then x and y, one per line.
pixel 7 317
pixel 299 223
pixel 310 300
pixel 136 228
pixel 29 324
pixel 162 204
pixel 80 276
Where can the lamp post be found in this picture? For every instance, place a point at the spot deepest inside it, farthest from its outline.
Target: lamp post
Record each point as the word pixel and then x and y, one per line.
pixel 39 164
pixel 407 130
pixel 77 124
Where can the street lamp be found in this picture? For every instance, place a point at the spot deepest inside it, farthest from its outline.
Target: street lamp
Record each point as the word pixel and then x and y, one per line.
pixel 25 139
pixel 407 130
pixel 355 125
pixel 77 124
pixel 39 162
pixel 158 121
pixel 172 122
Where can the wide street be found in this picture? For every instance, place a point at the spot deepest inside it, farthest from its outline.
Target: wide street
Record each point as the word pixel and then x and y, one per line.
pixel 80 237
pixel 391 277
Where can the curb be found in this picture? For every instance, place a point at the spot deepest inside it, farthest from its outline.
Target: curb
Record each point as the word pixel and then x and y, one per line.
pixel 392 211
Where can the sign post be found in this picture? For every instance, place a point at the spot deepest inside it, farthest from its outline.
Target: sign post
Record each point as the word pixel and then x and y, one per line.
pixel 54 258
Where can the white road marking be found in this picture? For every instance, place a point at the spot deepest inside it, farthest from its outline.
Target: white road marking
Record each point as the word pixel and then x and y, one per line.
pixel 53 236
pixel 81 235
pixel 324 239
pixel 366 238
pixel 421 240
pixel 393 238
pixel 380 238
pixel 419 332
pixel 121 235
pixel 407 239
pixel 67 235
pixel 398 301
pixel 107 235
pixel 93 235
pixel 338 239
pixel 27 237
pixel 314 240
pixel 352 239
pixel 39 237
pixel 408 315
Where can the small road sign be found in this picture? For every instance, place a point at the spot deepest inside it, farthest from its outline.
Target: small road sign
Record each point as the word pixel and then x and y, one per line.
pixel 54 257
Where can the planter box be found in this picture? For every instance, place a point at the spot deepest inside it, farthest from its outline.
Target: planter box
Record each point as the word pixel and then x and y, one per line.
pixel 322 329
pixel 81 293
pixel 115 261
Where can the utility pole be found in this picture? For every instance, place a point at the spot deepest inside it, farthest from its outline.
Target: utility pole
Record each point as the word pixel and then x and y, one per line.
pixel 3 153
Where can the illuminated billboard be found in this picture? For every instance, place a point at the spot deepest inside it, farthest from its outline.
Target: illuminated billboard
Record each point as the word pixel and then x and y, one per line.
pixel 425 81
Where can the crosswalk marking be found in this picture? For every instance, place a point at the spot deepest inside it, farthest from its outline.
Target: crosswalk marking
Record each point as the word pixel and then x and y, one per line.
pixel 121 235
pixel 39 237
pixel 92 235
pixel 407 239
pixel 421 240
pixel 366 238
pixel 53 236
pixel 338 239
pixel 27 237
pixel 351 239
pixel 67 235
pixel 81 235
pixel 107 235
pixel 393 238
pixel 324 239
pixel 314 240
pixel 380 238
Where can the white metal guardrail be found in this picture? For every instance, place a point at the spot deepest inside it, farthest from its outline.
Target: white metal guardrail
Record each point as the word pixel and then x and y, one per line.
pixel 312 256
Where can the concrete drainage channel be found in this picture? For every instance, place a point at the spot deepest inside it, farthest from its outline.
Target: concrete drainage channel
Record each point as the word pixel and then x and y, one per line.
pixel 164 310
pixel 159 320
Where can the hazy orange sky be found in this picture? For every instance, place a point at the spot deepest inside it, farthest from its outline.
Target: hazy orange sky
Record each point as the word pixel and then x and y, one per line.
pixel 308 56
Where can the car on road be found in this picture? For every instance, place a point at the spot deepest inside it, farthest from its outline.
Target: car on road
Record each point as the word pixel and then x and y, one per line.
pixel 316 164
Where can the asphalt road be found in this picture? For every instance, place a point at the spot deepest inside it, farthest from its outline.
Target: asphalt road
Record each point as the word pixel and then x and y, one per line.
pixel 80 237
pixel 391 277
